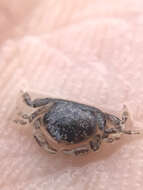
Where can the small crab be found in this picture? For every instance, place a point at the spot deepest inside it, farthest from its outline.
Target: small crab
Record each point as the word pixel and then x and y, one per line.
pixel 71 127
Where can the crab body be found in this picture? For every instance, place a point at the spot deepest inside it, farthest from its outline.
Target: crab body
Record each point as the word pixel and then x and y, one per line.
pixel 70 127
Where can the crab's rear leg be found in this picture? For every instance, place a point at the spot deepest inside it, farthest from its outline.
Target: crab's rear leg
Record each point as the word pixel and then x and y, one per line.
pixel 25 118
pixel 36 102
pixel 77 151
pixel 40 138
pixel 95 143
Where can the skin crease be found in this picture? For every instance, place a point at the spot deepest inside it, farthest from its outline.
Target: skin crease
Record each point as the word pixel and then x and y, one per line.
pixel 88 51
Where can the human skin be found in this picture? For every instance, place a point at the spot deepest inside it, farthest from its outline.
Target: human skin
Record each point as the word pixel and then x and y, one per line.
pixel 88 51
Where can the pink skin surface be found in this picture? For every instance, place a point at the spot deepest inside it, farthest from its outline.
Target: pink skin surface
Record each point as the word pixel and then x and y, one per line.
pixel 89 51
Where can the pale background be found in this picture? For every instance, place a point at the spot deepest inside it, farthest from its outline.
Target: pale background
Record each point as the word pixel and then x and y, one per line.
pixel 85 50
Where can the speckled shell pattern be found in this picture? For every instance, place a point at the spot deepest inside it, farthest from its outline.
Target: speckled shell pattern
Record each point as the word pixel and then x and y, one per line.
pixel 71 122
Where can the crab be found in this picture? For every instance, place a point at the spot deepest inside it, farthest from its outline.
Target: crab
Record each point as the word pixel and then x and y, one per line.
pixel 72 128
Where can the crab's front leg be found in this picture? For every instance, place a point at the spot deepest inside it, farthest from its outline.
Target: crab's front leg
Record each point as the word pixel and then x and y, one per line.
pixel 112 134
pixel 116 122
